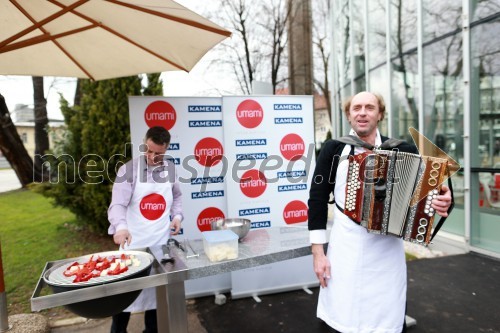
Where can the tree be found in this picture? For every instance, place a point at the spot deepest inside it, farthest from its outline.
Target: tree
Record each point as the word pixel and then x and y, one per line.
pixel 84 164
pixel 257 50
pixel 41 125
pixel 321 50
pixel 11 144
pixel 12 147
pixel 278 16
pixel 300 47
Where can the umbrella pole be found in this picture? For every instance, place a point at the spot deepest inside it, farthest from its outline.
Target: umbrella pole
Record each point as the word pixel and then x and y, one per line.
pixel 4 318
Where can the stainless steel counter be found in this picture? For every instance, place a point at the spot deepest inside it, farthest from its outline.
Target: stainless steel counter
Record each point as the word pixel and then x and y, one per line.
pixel 259 247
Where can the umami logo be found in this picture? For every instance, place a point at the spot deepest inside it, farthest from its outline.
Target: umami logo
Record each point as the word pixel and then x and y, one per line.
pixel 160 113
pixel 152 206
pixel 208 152
pixel 207 216
pixel 253 183
pixel 249 113
pixel 295 212
pixel 292 147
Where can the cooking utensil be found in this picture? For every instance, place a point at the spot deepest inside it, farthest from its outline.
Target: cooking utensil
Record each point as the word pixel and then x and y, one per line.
pixel 195 254
pixel 166 254
pixel 173 241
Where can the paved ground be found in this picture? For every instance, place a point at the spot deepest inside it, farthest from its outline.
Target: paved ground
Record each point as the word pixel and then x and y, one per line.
pixel 136 324
pixel 449 294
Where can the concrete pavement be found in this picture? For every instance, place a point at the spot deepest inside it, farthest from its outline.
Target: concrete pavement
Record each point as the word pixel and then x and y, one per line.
pixel 8 180
pixel 135 325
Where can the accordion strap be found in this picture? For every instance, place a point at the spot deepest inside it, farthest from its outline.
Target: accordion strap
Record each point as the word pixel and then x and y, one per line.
pixel 355 141
pixel 443 218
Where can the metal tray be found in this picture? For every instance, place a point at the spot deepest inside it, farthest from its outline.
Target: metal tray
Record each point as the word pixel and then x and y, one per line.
pixel 55 277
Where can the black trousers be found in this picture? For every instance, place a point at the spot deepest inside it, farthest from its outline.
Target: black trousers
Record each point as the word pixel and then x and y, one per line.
pixel 120 322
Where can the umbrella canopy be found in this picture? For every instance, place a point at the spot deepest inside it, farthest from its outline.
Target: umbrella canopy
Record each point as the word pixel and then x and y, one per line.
pixel 101 39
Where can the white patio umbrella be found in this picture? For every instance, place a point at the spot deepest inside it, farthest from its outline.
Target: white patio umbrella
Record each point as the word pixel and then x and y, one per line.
pixel 101 39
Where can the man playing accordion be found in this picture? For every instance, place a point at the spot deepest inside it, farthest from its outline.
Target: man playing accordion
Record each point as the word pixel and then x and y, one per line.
pixel 363 274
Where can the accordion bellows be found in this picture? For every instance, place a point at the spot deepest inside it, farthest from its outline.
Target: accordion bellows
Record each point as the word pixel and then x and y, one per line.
pixel 390 192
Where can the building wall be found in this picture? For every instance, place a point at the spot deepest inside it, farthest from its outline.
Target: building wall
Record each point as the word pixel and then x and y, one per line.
pixel 26 131
pixel 437 64
pixel 322 125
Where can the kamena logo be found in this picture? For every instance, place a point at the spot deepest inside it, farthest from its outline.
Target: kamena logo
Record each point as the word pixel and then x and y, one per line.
pixel 251 142
pixel 160 113
pixel 152 206
pixel 253 183
pixel 204 108
pixel 295 212
pixel 249 113
pixel 287 107
pixel 207 180
pixel 205 123
pixel 174 146
pixel 208 152
pixel 254 211
pixel 207 216
pixel 288 120
pixel 292 147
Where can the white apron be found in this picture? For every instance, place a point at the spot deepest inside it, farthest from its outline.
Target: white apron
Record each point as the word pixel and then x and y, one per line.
pixel 148 220
pixel 367 289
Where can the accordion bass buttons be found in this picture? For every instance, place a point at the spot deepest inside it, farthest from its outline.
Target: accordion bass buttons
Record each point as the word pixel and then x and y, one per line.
pixel 431 195
pixel 434 174
pixel 422 230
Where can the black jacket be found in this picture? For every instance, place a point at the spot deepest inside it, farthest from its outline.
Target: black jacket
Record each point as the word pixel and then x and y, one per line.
pixel 323 181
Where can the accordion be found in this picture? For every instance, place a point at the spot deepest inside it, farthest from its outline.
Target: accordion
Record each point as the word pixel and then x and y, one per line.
pixel 390 192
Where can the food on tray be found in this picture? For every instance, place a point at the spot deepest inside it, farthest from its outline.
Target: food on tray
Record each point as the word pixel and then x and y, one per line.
pixel 100 266
pixel 222 252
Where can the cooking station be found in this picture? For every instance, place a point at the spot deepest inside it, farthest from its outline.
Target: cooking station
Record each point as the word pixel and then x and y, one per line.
pixel 259 247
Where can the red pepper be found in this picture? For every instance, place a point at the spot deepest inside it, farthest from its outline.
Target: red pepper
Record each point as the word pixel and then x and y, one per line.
pixel 118 270
pixel 90 270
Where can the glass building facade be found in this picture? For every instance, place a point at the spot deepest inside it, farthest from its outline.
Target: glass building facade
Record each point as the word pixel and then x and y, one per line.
pixel 437 64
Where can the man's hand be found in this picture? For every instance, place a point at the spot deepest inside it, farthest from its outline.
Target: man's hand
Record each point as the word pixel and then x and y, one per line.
pixel 121 237
pixel 321 264
pixel 442 202
pixel 176 225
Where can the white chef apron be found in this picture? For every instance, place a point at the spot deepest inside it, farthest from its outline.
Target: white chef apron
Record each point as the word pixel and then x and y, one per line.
pixel 148 220
pixel 367 289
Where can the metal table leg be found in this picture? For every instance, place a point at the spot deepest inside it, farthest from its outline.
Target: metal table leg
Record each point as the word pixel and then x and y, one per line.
pixel 171 308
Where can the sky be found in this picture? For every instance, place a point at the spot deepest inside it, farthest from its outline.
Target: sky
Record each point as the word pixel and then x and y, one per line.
pixel 199 82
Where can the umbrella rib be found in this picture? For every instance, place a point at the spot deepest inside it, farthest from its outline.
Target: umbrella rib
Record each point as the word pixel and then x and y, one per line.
pixel 144 48
pixel 173 18
pixel 101 25
pixel 77 63
pixel 41 39
pixel 46 35
pixel 38 25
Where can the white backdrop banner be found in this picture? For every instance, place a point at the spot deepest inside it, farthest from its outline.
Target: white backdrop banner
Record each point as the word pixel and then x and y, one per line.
pixel 269 141
pixel 237 156
pixel 196 147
